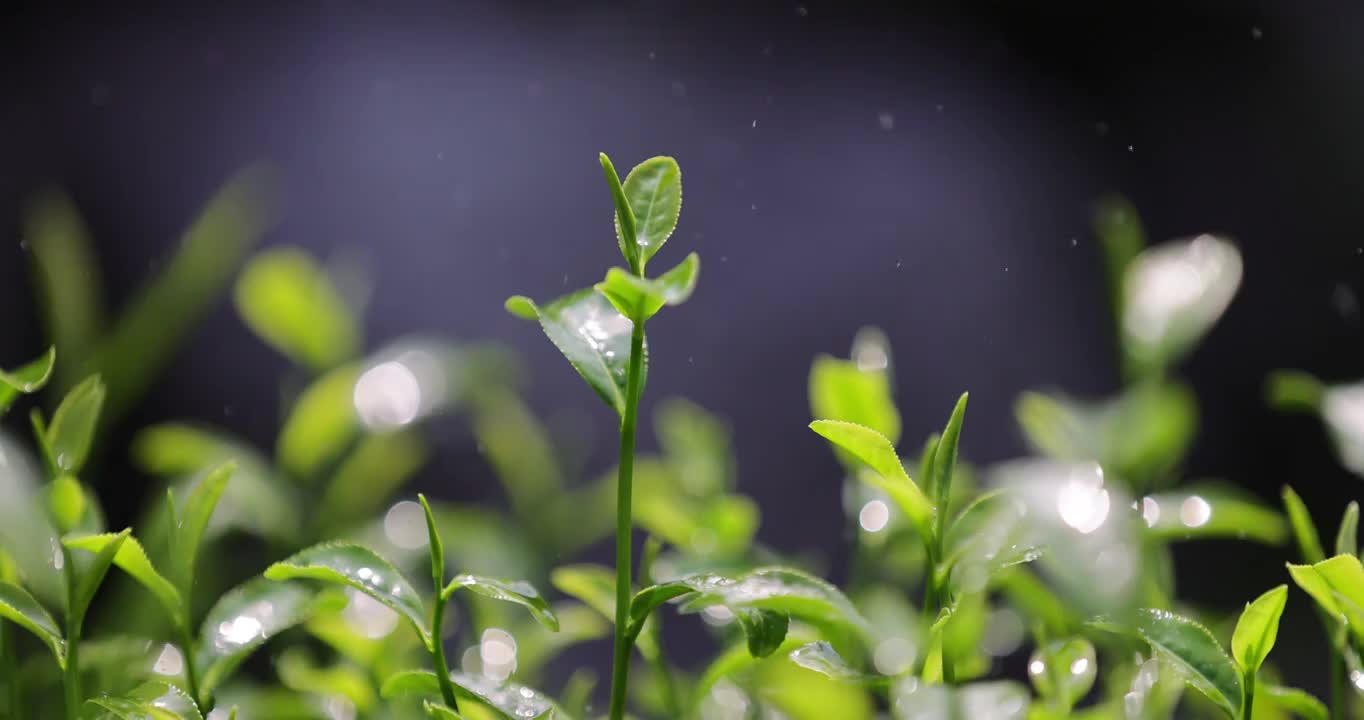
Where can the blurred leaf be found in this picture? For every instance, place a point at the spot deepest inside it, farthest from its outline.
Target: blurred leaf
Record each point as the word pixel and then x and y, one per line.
pixel 1063 671
pixel 1257 629
pixel 256 500
pixel 697 446
pixel 764 629
pixel 27 379
pixel 790 691
pixel 511 701
pixel 515 591
pixel 72 430
pixel 193 521
pixel 1304 532
pixel 369 476
pixel 66 502
pixel 1002 700
pixel 653 190
pixel 641 298
pixel 737 659
pixel 1173 294
pixel 157 700
pixel 1191 647
pixel 66 279
pixel 1293 700
pixel 1212 511
pixel 945 459
pixel 1347 538
pixel 537 645
pixel 822 658
pixel 577 692
pixel 439 712
pixel 845 390
pixel 360 568
pixel 132 559
pixel 149 330
pixel 1121 238
pixel 1140 435
pixel 91 575
pixel 780 589
pixel 1342 407
pixel 519 449
pixel 593 336
pixel 594 585
pixel 322 423
pixel 1294 390
pixel 243 620
pixel 291 303
pixel 298 672
pixel 875 450
pixel 20 608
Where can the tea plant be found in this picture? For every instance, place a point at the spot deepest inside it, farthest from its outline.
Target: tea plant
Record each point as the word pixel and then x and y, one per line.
pixel 1071 550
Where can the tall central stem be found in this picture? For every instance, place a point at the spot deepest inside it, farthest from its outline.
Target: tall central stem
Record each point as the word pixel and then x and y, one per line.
pixel 71 676
pixel 620 668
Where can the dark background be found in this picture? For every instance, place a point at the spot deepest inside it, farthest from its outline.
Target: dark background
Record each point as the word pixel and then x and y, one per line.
pixel 930 169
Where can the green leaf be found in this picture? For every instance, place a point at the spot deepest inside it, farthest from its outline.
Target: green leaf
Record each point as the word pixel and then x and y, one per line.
pixel 653 192
pixel 945 457
pixel 509 700
pixel 845 390
pixel 1294 390
pixel 1063 671
pixel 1192 648
pixel 321 424
pixel 360 568
pixel 1212 512
pixel 652 597
pixel 515 591
pixel 20 608
pixel 27 379
pixel 876 451
pixel 1347 538
pixel 779 589
pixel 72 430
pixel 626 234
pixel 593 336
pixel 1304 531
pixel 132 559
pixel 434 545
pixel 1257 629
pixel 243 620
pixel 1337 584
pixel 1298 702
pixel 66 279
pixel 300 673
pixel 149 330
pixel 92 574
pixel 594 585
pixel 641 298
pixel 764 629
pixel 368 476
pixel 1121 238
pixel 66 503
pixel 439 712
pixel 156 700
pixel 193 519
pixel 1000 700
pixel 822 658
pixel 291 303
pixel 1173 294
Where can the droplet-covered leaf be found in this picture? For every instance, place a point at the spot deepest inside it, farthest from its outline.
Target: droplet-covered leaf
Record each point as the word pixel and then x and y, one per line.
pixel 360 568
pixel 593 336
pixel 653 190
pixel 20 608
pixel 821 657
pixel 876 452
pixel 291 303
pixel 72 430
pixel 27 379
pixel 156 700
pixel 514 591
pixel 243 620
pixel 1193 649
pixel 779 589
pixel 1257 629
pixel 641 298
pixel 132 559
pixel 509 700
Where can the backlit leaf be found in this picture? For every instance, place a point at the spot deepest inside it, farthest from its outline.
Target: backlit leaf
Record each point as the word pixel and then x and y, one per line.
pixel 243 620
pixel 291 303
pixel 515 591
pixel 72 430
pixel 1257 629
pixel 195 513
pixel 156 700
pixel 653 190
pixel 875 450
pixel 1192 648
pixel 321 424
pixel 132 559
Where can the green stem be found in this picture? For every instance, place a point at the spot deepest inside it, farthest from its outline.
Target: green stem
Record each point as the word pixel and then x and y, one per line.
pixel 1248 702
pixel 9 666
pixel 192 670
pixel 620 665
pixel 447 688
pixel 71 676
